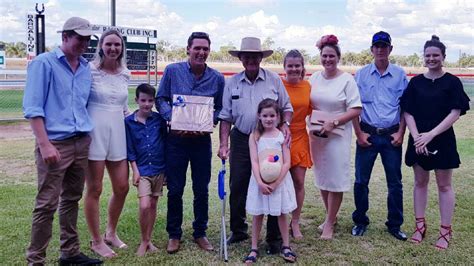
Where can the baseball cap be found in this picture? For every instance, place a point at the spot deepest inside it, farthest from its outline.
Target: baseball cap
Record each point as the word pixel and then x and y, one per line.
pixel 381 37
pixel 79 25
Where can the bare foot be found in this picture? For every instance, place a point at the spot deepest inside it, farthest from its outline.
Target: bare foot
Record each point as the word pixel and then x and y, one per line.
pixel 142 249
pixel 102 249
pixel 114 241
pixel 295 230
pixel 321 226
pixel 152 248
pixel 328 232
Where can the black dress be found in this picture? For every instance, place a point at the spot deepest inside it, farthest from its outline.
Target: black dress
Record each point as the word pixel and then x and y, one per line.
pixel 429 102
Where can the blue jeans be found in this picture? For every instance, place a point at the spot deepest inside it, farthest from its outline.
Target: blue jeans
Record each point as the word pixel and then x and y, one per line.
pixel 364 163
pixel 179 152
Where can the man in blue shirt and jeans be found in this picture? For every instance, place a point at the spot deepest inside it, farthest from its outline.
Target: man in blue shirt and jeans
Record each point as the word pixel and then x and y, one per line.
pixel 380 129
pixel 192 77
pixel 56 94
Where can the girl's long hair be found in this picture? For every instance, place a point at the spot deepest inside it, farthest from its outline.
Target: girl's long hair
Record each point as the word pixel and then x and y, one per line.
pixel 99 54
pixel 266 103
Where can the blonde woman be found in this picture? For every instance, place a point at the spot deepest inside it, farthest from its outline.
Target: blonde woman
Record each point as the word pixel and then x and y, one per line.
pixel 107 108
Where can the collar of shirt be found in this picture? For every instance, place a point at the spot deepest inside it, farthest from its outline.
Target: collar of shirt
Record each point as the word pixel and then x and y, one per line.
pixel 261 75
pixel 388 71
pixel 191 71
pixel 152 116
pixel 60 54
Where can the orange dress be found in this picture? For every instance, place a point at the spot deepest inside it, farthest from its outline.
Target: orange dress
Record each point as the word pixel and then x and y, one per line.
pixel 299 97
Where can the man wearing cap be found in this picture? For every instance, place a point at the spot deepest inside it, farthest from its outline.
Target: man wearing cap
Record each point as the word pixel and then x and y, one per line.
pixel 192 77
pixel 379 130
pixel 242 94
pixel 56 93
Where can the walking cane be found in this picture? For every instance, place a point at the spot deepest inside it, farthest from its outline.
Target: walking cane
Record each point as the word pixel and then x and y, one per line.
pixel 222 194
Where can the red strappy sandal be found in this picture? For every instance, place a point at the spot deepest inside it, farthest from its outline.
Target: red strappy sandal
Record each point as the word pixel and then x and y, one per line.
pixel 420 229
pixel 449 232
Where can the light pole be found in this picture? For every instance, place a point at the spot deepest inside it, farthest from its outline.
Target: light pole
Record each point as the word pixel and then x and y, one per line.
pixel 112 11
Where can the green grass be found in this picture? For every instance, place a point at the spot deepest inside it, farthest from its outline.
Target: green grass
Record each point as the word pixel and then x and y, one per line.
pixel 11 101
pixel 18 188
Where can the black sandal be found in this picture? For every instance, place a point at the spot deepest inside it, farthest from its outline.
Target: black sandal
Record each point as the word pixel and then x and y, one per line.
pixel 251 259
pixel 288 256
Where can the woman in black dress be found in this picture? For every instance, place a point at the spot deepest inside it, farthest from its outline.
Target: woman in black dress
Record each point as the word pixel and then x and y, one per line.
pixel 432 102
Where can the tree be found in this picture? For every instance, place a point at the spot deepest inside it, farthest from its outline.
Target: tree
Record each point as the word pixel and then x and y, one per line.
pixel 15 49
pixel 162 48
pixel 268 43
pixel 466 60
pixel 414 60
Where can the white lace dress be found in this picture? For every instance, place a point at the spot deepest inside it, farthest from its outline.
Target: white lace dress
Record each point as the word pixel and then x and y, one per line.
pixel 283 199
pixel 107 103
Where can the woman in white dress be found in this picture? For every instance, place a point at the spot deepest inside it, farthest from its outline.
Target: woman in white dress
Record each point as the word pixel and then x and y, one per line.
pixel 336 94
pixel 107 107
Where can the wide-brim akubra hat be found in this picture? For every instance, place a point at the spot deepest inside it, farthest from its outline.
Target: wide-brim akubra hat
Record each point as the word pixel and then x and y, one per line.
pixel 251 45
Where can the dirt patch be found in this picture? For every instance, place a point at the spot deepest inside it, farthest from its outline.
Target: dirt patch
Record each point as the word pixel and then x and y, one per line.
pixel 20 130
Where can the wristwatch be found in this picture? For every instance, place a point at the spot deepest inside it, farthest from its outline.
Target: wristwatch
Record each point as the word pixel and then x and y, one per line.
pixel 287 123
pixel 335 122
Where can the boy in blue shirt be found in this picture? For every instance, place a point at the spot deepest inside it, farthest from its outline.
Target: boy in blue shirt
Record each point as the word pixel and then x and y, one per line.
pixel 146 133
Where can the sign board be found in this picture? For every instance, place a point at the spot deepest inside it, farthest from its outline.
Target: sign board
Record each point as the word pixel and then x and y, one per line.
pixel 137 54
pixel 2 59
pixel 152 59
pixel 126 31
pixel 30 37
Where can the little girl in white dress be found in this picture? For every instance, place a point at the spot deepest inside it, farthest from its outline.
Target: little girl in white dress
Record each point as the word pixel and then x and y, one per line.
pixel 278 197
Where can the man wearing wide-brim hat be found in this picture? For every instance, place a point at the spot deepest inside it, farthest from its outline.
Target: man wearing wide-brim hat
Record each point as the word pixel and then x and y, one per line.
pixel 242 94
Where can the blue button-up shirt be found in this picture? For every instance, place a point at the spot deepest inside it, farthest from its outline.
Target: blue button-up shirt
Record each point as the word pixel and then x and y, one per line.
pixel 178 79
pixel 59 95
pixel 380 94
pixel 146 143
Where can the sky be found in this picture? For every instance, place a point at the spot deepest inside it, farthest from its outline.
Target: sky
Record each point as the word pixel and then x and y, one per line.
pixel 292 24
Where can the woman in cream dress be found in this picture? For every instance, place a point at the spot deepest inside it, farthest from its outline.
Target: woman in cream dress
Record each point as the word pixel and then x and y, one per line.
pixel 335 92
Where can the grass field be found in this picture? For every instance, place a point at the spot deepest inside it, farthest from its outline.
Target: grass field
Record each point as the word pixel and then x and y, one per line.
pixel 18 188
pixel 11 100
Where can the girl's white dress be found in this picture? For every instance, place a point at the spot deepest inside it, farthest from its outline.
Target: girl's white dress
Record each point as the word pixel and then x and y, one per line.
pixel 107 103
pixel 283 199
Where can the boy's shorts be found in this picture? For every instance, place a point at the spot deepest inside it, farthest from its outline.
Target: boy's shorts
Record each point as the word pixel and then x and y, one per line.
pixel 151 185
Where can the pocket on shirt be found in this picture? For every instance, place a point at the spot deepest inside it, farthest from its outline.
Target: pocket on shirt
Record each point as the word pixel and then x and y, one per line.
pixel 396 93
pixel 367 95
pixel 270 94
pixel 236 101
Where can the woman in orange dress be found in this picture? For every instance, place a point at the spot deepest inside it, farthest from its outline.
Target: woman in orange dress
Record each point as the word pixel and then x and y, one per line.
pixel 299 90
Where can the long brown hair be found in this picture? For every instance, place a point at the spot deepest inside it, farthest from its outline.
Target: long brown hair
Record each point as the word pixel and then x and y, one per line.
pixel 265 103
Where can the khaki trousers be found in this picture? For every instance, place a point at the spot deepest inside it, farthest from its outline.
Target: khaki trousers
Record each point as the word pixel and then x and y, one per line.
pixel 59 185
